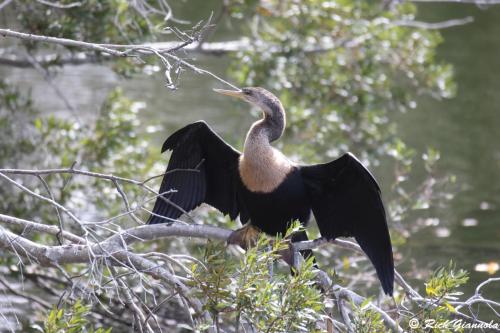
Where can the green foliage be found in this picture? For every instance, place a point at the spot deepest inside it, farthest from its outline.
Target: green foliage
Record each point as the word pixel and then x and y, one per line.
pixel 105 22
pixel 342 70
pixel 111 21
pixel 117 145
pixel 434 191
pixel 115 139
pixel 441 287
pixel 16 112
pixel 338 98
pixel 112 144
pixel 71 320
pixel 444 281
pixel 18 144
pixel 367 67
pixel 366 320
pixel 245 291
pixel 108 145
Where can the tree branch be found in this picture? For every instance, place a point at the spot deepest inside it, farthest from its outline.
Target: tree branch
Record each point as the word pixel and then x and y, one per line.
pixel 60 5
pixel 131 50
pixel 48 229
pixel 64 42
pixel 115 251
pixel 410 292
pixel 435 25
pixel 191 46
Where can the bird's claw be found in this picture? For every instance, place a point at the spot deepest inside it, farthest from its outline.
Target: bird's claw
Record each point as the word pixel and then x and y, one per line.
pixel 245 237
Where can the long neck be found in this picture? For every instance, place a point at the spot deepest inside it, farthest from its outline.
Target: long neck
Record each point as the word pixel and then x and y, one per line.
pixel 266 130
pixel 263 168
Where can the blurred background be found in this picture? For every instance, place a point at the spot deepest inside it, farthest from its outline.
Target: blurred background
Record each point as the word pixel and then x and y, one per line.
pixel 434 146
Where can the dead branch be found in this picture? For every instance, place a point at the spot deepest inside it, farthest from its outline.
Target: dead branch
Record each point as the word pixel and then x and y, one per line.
pixel 434 25
pixel 116 251
pixel 65 42
pixel 60 5
pixel 410 292
pixel 191 45
pixel 123 51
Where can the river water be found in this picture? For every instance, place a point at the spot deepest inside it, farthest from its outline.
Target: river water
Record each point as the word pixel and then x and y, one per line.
pixel 464 129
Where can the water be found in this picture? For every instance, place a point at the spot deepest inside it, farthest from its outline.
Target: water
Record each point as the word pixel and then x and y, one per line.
pixel 464 129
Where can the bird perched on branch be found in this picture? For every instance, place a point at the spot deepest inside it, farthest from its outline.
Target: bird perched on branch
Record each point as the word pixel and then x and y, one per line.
pixel 268 191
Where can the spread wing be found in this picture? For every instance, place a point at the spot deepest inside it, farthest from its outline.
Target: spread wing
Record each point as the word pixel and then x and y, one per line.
pixel 345 199
pixel 202 169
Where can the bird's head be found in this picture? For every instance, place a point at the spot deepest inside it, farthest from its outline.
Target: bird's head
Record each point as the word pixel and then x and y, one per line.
pixel 259 97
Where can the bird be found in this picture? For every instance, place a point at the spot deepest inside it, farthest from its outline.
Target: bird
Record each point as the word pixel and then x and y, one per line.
pixel 268 191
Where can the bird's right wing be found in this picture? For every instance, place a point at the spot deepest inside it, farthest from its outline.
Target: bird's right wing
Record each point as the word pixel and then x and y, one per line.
pixel 203 168
pixel 345 200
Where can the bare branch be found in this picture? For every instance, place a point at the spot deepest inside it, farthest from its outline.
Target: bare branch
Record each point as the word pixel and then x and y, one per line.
pixel 114 250
pixel 41 197
pixel 60 5
pixel 435 25
pixel 29 297
pixel 411 293
pixel 4 4
pixel 135 51
pixel 62 41
pixel 49 229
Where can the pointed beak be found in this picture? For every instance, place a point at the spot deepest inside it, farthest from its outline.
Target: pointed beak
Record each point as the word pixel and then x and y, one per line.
pixel 232 93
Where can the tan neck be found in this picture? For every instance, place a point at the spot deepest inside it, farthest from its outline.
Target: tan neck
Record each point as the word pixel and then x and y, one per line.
pixel 262 167
pixel 257 140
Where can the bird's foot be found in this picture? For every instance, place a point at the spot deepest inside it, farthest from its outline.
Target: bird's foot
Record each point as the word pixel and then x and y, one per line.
pixel 288 256
pixel 245 237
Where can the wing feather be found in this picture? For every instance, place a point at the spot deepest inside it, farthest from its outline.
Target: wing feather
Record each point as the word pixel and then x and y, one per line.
pixel 346 201
pixel 202 168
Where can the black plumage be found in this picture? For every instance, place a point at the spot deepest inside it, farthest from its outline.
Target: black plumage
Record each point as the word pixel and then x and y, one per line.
pixel 202 168
pixel 343 195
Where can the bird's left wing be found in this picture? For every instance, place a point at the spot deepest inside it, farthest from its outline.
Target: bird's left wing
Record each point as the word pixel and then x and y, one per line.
pixel 345 200
pixel 202 169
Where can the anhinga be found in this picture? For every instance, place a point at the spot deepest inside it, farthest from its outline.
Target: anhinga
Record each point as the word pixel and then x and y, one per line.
pixel 269 191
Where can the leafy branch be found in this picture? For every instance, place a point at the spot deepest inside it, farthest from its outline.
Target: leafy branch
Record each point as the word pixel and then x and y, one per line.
pixel 101 251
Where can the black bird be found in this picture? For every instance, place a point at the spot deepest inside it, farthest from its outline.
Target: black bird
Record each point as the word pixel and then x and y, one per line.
pixel 269 191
